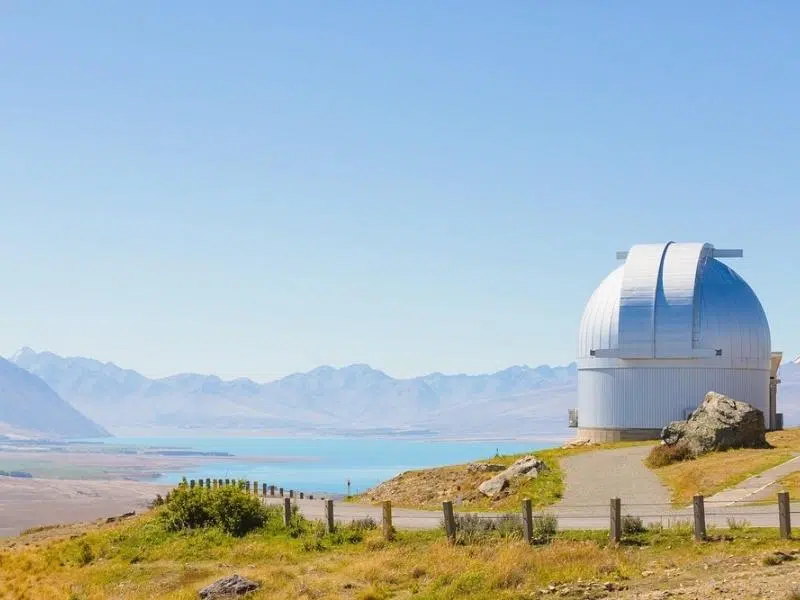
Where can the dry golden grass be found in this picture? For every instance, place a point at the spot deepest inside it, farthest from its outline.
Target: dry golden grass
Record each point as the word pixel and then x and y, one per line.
pixel 139 560
pixel 791 484
pixel 717 471
pixel 428 488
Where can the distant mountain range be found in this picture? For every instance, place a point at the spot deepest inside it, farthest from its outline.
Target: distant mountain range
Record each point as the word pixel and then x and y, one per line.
pixel 354 400
pixel 29 407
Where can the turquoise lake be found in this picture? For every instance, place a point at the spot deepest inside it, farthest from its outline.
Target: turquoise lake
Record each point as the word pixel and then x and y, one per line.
pixel 324 465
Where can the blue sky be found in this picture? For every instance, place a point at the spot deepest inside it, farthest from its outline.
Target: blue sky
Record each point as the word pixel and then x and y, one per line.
pixel 257 188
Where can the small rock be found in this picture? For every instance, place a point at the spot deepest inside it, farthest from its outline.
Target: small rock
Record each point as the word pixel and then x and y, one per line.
pixel 233 585
pixel 647 573
pixel 527 467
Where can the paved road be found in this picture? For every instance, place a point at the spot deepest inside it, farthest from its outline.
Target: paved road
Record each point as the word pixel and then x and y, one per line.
pixel 591 479
pixel 595 477
pixel 763 486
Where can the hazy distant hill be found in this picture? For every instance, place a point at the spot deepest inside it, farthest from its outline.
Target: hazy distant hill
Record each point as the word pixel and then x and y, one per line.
pixel 28 406
pixel 355 399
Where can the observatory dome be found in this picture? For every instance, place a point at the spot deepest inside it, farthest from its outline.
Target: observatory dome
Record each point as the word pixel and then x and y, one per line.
pixel 663 329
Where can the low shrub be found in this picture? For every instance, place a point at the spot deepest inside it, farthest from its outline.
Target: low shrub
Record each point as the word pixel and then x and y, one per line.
pixel 663 455
pixel 632 525
pixel 231 509
pixel 545 527
pixel 472 528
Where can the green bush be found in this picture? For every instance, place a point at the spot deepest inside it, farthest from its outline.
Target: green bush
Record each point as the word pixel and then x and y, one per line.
pixel 545 528
pixel 663 455
pixel 632 525
pixel 231 509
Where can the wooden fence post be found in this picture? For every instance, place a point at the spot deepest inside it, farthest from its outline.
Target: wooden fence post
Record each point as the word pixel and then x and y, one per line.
pixel 247 486
pixel 449 521
pixel 227 482
pixel 291 493
pixel 699 518
pixel 527 520
pixel 784 515
pixel 255 488
pixel 311 496
pixel 280 492
pixel 191 484
pixel 329 524
pixel 200 483
pixel 264 490
pixel 208 482
pixel 287 512
pixel 388 533
pixel 272 491
pixel 301 495
pixel 615 529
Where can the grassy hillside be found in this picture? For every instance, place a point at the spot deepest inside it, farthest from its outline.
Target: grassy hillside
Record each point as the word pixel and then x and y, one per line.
pixel 144 559
pixel 717 471
pixel 428 488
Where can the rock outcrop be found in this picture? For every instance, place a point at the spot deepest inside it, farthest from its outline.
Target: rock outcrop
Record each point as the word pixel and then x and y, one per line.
pixel 227 587
pixel 719 423
pixel 527 467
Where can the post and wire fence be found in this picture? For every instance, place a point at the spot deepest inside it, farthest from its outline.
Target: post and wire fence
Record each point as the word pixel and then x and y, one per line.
pixel 578 517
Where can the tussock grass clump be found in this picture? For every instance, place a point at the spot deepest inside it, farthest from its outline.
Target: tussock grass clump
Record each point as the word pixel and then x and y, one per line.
pixel 663 455
pixel 475 529
pixel 737 524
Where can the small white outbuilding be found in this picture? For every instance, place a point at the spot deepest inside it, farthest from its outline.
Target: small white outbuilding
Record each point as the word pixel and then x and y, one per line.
pixel 670 324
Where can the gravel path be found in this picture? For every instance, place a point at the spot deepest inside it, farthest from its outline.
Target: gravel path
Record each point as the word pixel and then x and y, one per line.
pixel 592 478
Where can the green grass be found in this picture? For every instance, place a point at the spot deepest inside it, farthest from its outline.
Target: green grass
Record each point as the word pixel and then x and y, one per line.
pixel 141 559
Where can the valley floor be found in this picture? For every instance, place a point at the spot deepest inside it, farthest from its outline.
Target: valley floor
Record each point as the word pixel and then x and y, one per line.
pixel 27 503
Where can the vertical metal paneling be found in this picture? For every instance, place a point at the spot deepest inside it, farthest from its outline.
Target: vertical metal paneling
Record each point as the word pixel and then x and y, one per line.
pixel 674 311
pixel 638 301
pixel 649 398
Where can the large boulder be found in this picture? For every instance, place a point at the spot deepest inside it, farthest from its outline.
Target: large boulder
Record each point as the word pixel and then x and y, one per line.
pixel 719 423
pixel 227 587
pixel 527 467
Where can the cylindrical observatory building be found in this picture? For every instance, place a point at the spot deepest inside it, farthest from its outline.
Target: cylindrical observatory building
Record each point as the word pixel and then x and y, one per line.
pixel 669 325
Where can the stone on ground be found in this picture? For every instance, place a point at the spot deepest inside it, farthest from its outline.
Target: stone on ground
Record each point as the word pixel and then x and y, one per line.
pixel 233 585
pixel 719 423
pixel 527 467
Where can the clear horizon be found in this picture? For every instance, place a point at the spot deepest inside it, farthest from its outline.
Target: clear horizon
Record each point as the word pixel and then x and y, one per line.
pixel 258 190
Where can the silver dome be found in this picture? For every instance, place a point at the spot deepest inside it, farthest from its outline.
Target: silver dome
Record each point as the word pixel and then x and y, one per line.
pixel 669 325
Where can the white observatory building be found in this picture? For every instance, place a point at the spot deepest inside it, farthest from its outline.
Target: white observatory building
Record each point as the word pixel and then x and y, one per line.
pixel 670 324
